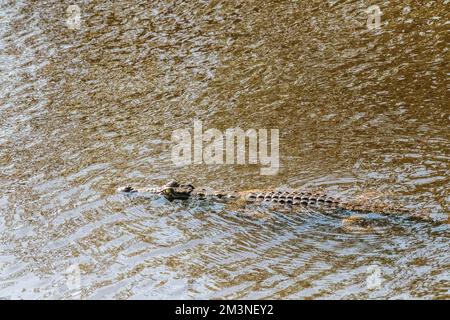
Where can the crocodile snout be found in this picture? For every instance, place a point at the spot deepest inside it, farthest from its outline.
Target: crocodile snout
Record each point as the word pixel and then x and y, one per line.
pixel 125 189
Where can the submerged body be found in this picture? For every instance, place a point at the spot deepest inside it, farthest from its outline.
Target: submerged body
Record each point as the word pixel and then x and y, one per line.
pixel 174 190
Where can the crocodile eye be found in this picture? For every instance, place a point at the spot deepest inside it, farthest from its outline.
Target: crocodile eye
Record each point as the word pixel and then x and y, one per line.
pixel 168 191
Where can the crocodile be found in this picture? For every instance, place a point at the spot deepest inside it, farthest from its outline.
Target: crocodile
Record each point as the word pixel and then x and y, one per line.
pixel 173 190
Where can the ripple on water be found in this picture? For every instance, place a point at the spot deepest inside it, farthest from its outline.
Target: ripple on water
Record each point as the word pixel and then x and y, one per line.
pixel 359 113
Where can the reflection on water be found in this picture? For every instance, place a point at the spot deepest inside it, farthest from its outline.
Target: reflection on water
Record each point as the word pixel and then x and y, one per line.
pixel 84 110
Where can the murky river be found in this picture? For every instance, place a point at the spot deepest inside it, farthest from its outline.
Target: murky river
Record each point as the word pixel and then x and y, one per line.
pixel 90 104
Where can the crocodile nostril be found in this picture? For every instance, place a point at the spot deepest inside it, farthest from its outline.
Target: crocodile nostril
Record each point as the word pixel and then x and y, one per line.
pixel 173 184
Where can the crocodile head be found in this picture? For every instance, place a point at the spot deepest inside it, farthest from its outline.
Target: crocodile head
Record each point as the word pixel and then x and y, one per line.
pixel 171 190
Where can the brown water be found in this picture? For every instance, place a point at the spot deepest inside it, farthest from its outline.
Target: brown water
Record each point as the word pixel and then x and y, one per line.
pixel 84 111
